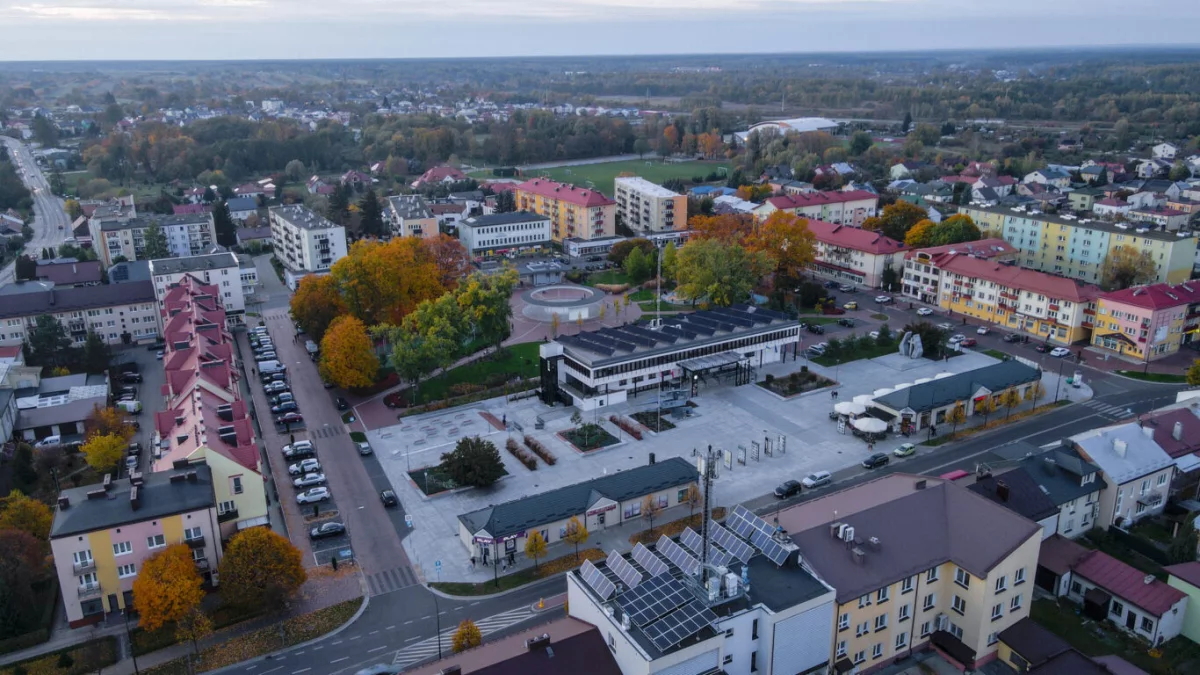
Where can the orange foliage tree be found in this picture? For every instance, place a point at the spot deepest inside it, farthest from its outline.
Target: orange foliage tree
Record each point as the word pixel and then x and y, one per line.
pixel 348 355
pixel 108 422
pixel 382 283
pixel 167 587
pixel 728 228
pixel 316 304
pixel 450 258
pixel 919 235
pixel 261 567
pixel 786 239
pixel 18 512
pixel 896 219
pixel 710 144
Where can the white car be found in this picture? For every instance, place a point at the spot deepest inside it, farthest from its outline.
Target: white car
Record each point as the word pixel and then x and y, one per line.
pixel 882 299
pixel 313 495
pixel 816 479
pixel 982 330
pixel 298 445
pixel 924 311
pixel 309 479
pixel 874 334
pixel 1060 352
pixel 304 466
pixel 956 338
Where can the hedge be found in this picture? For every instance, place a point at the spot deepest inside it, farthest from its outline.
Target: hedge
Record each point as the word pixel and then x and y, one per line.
pixel 86 657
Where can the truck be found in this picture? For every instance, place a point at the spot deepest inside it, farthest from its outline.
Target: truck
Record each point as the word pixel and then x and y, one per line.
pixel 131 407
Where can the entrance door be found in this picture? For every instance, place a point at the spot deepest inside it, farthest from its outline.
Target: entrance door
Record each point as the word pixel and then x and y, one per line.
pixel 1130 619
pixel 112 602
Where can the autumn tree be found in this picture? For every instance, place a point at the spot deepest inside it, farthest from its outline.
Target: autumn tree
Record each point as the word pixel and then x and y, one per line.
pixel 261 569
pixel 466 637
pixel 1010 401
pixel 896 219
pixel 18 512
pixel 957 417
pixel 1035 392
pixel 1193 374
pixel 1126 266
pixel 650 510
pixel 104 453
pixel 986 406
pixel 105 421
pixel 167 587
pixel 316 303
pixel 348 355
pixel 670 259
pixel 786 239
pixel 484 303
pixel 22 562
pixel 722 274
pixel 621 250
pixel 577 534
pixel 474 461
pixel 383 282
pixel 193 627
pixel 729 227
pixel 920 235
pixel 449 256
pixel 535 547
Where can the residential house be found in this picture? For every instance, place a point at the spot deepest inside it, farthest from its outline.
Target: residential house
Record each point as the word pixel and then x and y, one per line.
pixel 1072 483
pixel 930 403
pixel 449 215
pixel 1185 577
pixel 1001 185
pixel 1111 207
pixel 1051 177
pixel 1160 217
pixel 1083 199
pixel 1020 493
pixel 251 190
pixel 410 216
pixel 317 186
pixel 1147 199
pixel 1152 168
pixel 922 276
pixel 1133 601
pixel 357 180
pixel 852 254
pixel 241 208
pixel 905 169
pixel 1135 468
pixel 924 194
pixel 1177 431
pixel 440 174
pixel 1146 323
pixel 304 242
pixel 839 208
pixel 1165 151
pixel 649 207
pixel 1027 647
pixel 574 212
pixel 1094 175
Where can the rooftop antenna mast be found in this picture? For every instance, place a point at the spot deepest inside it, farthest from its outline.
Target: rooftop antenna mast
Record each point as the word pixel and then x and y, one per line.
pixel 707 464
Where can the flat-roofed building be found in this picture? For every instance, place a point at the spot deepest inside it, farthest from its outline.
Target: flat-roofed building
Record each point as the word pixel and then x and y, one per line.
pixel 220 270
pixel 648 207
pixel 840 208
pixel 504 234
pixel 305 242
pixel 410 216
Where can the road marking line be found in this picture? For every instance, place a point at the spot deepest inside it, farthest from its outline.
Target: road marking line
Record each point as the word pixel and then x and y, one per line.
pixel 408 622
pixel 411 639
pixel 389 628
pixel 344 658
pixel 338 642
pixel 371 633
pixel 458 608
pixel 427 616
pixel 355 637
pixel 376 649
pixel 302 670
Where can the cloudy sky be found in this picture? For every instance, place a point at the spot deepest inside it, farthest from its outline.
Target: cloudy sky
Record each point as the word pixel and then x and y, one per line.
pixel 297 29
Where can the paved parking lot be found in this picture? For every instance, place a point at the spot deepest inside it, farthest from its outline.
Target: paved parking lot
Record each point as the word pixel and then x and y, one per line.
pixel 149 393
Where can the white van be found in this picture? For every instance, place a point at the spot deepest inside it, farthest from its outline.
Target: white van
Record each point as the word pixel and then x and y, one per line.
pixel 49 441
pixel 271 366
pixel 131 407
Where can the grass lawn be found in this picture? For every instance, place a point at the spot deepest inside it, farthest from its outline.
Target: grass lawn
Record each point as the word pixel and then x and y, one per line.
pixel 1095 639
pixel 642 295
pixel 996 354
pixel 613 277
pixel 653 421
pixel 591 440
pixel 519 360
pixel 856 354
pixel 1169 378
pixel 601 175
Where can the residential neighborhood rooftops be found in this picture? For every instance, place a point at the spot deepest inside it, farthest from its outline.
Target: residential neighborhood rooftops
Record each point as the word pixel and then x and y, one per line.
pixel 162 493
pixel 57 300
pixel 502 219
pixel 237 204
pixel 854 238
pixel 1129 583
pixel 586 197
pixel 196 263
pixel 70 272
pixel 410 206
pixel 807 199
pixel 984 248
pixel 1131 229
pixel 1063 475
pixel 1016 491
pixel 644 186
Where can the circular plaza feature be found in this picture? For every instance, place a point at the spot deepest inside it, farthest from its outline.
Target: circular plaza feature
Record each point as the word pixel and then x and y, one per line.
pixel 568 301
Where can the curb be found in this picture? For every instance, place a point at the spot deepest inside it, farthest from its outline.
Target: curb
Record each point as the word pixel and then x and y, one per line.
pixel 501 594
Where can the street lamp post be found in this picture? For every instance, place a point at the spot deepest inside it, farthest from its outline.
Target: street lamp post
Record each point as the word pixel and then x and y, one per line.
pixel 438 618
pixel 1061 363
pixel 129 636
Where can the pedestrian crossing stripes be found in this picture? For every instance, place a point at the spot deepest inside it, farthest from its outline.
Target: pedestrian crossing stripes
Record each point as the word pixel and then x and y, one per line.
pixel 1114 411
pixel 429 648
pixel 327 432
pixel 391 580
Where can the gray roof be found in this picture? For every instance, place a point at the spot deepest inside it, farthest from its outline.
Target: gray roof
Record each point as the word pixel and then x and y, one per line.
pixel 195 263
pixel 1123 451
pixel 66 413
pixel 502 219
pixel 1099 225
pixel 1060 473
pixel 157 497
pixel 302 217
pixel 162 220
pixel 75 299
pixel 241 204
pixel 960 387
pixel 410 206
pixel 926 528
pixel 555 505
pixel 1024 496
pixel 129 272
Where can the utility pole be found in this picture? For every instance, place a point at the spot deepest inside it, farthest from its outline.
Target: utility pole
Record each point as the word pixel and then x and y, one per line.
pixel 708 473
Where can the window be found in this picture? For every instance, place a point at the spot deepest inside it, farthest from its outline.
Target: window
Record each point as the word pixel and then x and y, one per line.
pixel 881 622
pixel 931 575
pixel 930 601
pixel 1001 584
pixel 1019 577
pixel 754 662
pixel 864 600
pixel 728 659
pixel 126 571
pixel 1162 479
pixel 1145 486
pixel 862 629
pixel 122 548
pixel 860 656
pixel 1015 603
pixel 226 507
pixel 926 629
pixel 1116 609
pixel 958 604
pixel 841 649
pixel 997 610
pixel 956 630
pixel 237 485
pixel 877 650
pixel 1076 589
pixel 882 594
pixel 901 640
pixel 993 638
pixel 906 585
pixel 157 541
pixel 843 621
pixel 728 632
pixel 612 644
pixel 903 616
pixel 962 578
pixel 192 533
pixel 633 510
pixel 1147 624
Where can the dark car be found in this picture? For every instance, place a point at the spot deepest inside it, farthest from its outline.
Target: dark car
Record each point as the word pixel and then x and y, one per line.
pixel 831 284
pixel 788 489
pixel 131 378
pixel 267 378
pixel 816 328
pixel 846 321
pixel 341 403
pixel 285 407
pixel 289 418
pixel 388 498
pixel 1042 347
pixel 302 452
pixel 327 530
pixel 875 461
pixel 1012 338
pixel 156 346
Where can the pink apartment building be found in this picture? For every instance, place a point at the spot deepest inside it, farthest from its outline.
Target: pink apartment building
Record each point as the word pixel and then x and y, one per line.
pixel 1146 323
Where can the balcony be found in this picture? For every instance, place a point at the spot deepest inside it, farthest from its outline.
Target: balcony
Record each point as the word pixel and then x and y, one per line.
pixel 194 542
pixel 201 564
pixel 1053 307
pixel 229 515
pixel 84 566
pixel 1089 312
pixel 1087 324
pixel 88 591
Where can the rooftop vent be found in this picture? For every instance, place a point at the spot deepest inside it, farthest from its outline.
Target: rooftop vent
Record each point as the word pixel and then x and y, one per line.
pixel 135 500
pixel 64 503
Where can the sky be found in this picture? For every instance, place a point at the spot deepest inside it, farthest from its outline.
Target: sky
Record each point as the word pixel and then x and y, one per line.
pixel 42 30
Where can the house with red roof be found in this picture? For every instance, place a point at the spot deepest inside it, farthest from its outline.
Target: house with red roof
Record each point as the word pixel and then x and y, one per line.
pixel 1146 323
pixel 1111 206
pixel 1126 597
pixel 574 212
pixel 1053 308
pixel 250 190
pixel 840 208
pixel 852 254
pixel 190 209
pixel 205 418
pixel 440 174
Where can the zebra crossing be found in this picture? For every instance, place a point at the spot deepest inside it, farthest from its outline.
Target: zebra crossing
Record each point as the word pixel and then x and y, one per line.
pixel 1115 412
pixel 429 648
pixel 327 432
pixel 391 580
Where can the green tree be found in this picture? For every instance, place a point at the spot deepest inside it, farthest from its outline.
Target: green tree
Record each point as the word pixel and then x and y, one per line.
pixel 49 344
pixel 97 355
pixel 224 225
pixel 474 461
pixel 670 261
pixel 295 170
pixel 339 204
pixel 155 243
pixel 1183 546
pixel 641 146
pixel 637 266
pixel 1179 171
pixel 506 201
pixel 860 142
pixel 1126 266
pixel 44 131
pixel 24 476
pixel 484 303
pixel 711 271
pixel 1193 373
pixel 933 339
pixel 896 219
pixel 370 215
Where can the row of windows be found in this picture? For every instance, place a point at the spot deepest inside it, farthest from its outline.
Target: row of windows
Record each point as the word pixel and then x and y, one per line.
pixel 671 359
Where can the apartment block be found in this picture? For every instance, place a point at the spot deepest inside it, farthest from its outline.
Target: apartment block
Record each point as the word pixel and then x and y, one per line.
pixel 1075 248
pixel 852 254
pixel 574 212
pixel 410 216
pixel 648 207
pixel 102 534
pixel 119 314
pixel 922 275
pixel 305 242
pixel 118 232
pixel 221 270
pixel 1137 472
pixel 851 207
pixel 1146 323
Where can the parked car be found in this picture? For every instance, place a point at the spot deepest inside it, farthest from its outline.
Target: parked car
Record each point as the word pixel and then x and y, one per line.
pixel 982 330
pixel 788 489
pixel 309 480
pixel 874 334
pixel 1041 347
pixel 875 461
pixel 924 311
pixel 341 403
pixel 300 444
pixel 850 305
pixel 303 467
pixel 285 407
pixel 846 288
pixel 289 418
pixel 364 448
pixel 131 378
pixel 1013 337
pixel 49 441
pixel 946 327
pixel 313 495
pixel 816 328
pixel 275 387
pixel 968 342
pixel 267 378
pixel 388 498
pixel 283 397
pixel 266 356
pixel 324 530
pixel 817 479
pixel 881 299
pixel 831 284
pixel 298 453
pixel 1059 352
pixel 158 355
pixel 846 321
pixel 956 338
pixel 905 450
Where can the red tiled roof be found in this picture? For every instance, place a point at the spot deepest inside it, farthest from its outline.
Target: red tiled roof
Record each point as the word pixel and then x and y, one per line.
pixel 190 209
pixel 1020 278
pixel 971 180
pixel 854 238
pixel 806 199
pixel 1164 422
pixel 10 352
pixel 565 192
pixel 1188 571
pixel 984 248
pixel 443 209
pixel 1156 296
pixel 1128 583
pixel 440 173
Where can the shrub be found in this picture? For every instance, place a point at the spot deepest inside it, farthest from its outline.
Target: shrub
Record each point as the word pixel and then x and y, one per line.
pixel 770 377
pixel 464 388
pixel 540 450
pixel 627 426
pixel 522 456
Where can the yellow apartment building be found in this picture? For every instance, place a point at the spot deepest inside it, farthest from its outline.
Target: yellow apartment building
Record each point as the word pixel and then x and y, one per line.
pixel 574 212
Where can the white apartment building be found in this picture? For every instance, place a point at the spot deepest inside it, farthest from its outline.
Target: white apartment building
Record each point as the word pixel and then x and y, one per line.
pixel 647 207
pixel 218 269
pixel 120 314
pixel 305 242
pixel 1137 472
pixel 504 233
pixel 119 233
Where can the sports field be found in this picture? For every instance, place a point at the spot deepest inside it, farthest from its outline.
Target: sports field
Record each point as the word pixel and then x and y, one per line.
pixel 600 176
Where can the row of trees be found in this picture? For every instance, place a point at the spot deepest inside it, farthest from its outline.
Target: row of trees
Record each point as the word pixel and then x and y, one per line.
pixel 49 347
pixel 13 193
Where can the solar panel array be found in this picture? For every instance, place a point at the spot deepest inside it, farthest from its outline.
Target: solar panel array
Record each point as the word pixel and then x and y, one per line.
pixel 690 539
pixel 596 579
pixel 624 571
pixel 653 564
pixel 679 625
pixel 677 555
pixel 718 557
pixel 736 547
pixel 773 550
pixel 653 599
pixel 744 523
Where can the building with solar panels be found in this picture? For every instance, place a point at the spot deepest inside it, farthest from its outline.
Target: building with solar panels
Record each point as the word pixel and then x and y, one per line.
pixel 603 367
pixel 743 604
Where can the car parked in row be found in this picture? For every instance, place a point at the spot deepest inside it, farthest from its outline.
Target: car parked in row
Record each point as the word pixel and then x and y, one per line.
pixel 324 530
pixel 285 407
pixel 306 466
pixel 275 387
pixel 313 495
pixel 875 461
pixel 289 418
pixel 789 488
pixel 924 311
pixel 817 479
pixel 309 480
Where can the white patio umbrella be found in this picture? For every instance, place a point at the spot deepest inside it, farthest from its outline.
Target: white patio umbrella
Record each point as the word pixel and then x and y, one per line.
pixel 903 385
pixel 849 408
pixel 870 425
pixel 864 399
pixel 923 380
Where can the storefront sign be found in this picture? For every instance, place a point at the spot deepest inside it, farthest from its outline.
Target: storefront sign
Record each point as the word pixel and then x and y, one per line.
pixel 490 540
pixel 610 507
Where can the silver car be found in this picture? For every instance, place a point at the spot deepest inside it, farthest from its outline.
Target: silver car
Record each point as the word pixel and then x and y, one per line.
pixel 309 480
pixel 304 466
pixel 313 495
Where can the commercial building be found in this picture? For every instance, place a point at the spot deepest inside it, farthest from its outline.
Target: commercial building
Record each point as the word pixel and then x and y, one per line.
pixel 593 369
pixel 574 212
pixel 852 254
pixel 931 403
pixel 840 208
pixel 102 534
pixel 1136 470
pixel 1147 322
pixel 798 125
pixel 648 207
pixel 118 313
pixel 410 216
pixel 565 646
pixel 916 563
pixel 1054 308
pixel 304 242
pixel 223 271
pixel 501 234
pixel 203 417
pixel 1077 248
pixel 923 267
pixel 747 605
pixel 602 502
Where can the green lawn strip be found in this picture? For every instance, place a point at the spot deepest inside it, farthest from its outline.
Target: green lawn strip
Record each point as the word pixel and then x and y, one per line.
pixel 880 317
pixel 856 354
pixel 86 657
pixel 1061 619
pixel 358 437
pixel 611 277
pixel 519 360
pixel 820 320
pixel 996 354
pixel 145 641
pixel 1169 378
pixel 642 295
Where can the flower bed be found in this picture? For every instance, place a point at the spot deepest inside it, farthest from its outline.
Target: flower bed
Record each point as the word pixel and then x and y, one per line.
pixel 588 437
pixel 540 450
pixel 523 457
pixel 626 426
pixel 795 383
pixel 653 420
pixel 431 480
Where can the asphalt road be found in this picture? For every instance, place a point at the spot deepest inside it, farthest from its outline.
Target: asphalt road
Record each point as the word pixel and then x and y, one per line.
pixel 51 224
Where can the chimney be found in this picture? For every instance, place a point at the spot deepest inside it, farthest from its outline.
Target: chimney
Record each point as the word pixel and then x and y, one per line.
pixel 1002 490
pixel 97 494
pixel 1177 431
pixel 920 485
pixel 191 477
pixel 134 498
pixel 64 503
pixel 1119 447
